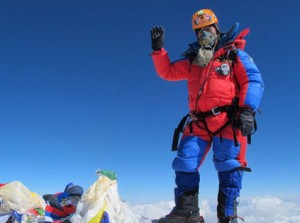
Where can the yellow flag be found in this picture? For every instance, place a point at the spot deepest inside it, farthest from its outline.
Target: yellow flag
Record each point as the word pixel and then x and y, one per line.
pixel 97 218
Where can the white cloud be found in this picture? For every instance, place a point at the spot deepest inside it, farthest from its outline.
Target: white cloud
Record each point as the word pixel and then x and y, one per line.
pixel 153 211
pixel 263 209
pixel 270 209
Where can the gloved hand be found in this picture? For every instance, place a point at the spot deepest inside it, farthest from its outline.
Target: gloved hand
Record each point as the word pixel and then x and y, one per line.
pixel 247 121
pixel 157 37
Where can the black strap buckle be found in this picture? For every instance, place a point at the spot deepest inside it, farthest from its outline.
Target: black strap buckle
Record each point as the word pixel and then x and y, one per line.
pixel 216 110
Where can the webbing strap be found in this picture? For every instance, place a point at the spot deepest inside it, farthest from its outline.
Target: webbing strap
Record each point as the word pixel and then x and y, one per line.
pixel 214 111
pixel 177 132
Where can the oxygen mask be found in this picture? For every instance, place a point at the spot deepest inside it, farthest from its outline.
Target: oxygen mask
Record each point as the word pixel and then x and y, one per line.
pixel 207 39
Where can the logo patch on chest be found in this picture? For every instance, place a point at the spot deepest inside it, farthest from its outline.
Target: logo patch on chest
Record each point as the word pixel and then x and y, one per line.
pixel 224 69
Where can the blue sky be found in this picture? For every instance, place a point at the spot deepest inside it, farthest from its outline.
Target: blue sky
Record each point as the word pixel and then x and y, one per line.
pixel 78 92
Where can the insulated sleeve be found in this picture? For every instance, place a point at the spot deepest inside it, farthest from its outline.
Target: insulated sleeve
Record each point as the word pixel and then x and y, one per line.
pixel 171 71
pixel 249 80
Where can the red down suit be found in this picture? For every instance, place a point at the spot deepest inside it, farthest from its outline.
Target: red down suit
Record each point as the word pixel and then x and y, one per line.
pixel 242 80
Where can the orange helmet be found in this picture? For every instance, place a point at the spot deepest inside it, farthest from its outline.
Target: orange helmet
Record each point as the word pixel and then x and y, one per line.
pixel 202 18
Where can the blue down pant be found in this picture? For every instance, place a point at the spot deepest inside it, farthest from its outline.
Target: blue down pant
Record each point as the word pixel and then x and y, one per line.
pixel 227 160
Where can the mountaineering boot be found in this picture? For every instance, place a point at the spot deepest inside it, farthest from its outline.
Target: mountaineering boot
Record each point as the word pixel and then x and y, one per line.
pixel 228 196
pixel 221 208
pixel 186 210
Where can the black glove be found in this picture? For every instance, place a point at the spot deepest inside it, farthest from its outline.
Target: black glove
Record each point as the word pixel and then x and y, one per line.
pixel 157 37
pixel 247 121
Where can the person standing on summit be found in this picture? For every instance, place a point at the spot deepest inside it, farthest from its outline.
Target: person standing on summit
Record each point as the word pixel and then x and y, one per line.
pixel 225 88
